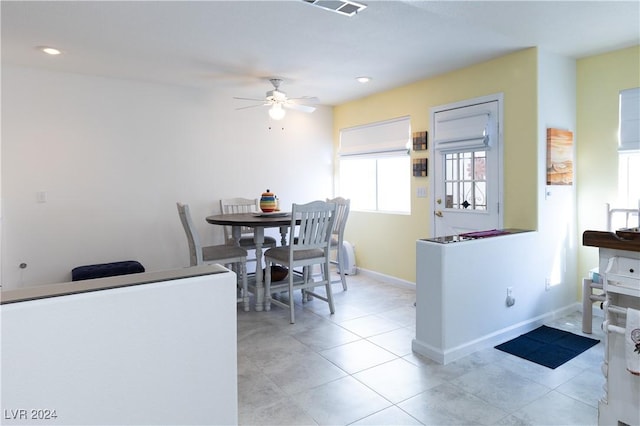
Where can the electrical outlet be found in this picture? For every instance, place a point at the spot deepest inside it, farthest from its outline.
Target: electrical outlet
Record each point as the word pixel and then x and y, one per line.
pixel 510 301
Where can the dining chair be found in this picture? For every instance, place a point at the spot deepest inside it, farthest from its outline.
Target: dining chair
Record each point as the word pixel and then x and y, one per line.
pixel 243 205
pixel 314 221
pixel 337 236
pixel 223 254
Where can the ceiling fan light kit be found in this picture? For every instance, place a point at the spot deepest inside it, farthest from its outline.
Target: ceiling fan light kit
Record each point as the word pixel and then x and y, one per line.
pixel 276 112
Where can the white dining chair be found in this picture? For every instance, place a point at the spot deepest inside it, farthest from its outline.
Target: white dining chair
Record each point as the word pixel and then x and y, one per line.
pixel 223 254
pixel 311 247
pixel 337 237
pixel 244 205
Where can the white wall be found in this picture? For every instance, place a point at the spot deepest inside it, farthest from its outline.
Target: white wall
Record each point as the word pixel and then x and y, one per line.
pixel 556 204
pixel 463 310
pixel 113 156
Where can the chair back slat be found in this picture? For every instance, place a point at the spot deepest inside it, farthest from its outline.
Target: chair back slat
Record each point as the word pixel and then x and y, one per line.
pixel 337 235
pixel 342 214
pixel 238 205
pixel 195 248
pixel 314 229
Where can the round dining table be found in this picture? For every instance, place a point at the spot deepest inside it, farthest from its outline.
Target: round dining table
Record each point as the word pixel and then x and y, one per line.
pixel 257 221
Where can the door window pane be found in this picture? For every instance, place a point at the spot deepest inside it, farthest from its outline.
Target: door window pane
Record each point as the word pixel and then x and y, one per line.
pixel 465 180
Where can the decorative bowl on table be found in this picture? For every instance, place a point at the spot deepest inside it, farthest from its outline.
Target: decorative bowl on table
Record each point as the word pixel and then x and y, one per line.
pixel 268 202
pixel 278 273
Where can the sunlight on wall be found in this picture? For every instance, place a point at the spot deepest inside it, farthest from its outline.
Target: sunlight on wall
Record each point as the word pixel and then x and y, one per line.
pixel 599 81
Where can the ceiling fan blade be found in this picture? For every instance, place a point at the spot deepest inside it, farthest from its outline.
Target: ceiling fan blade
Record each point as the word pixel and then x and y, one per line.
pixel 250 99
pixel 299 107
pixel 252 106
pixel 275 97
pixel 306 99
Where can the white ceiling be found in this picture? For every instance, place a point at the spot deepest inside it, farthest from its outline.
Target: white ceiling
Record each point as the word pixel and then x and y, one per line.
pixel 238 45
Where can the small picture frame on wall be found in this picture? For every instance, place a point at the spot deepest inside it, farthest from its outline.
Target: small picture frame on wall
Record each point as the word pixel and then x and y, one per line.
pixel 420 141
pixel 420 167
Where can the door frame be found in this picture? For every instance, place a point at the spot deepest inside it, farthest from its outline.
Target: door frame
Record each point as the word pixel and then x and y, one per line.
pixel 497 97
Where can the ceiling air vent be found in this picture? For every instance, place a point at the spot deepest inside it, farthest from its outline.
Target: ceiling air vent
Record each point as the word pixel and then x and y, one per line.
pixel 343 7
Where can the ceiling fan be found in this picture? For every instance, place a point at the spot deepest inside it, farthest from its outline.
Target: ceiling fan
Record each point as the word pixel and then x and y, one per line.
pixel 278 100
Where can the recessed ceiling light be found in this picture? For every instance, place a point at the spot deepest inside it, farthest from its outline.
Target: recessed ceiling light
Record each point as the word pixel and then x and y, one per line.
pixel 49 50
pixel 363 79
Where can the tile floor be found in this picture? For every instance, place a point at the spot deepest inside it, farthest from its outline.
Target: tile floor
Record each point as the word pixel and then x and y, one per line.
pixel 357 368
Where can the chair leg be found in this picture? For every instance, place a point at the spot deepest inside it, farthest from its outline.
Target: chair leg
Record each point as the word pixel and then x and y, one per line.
pixel 292 314
pixel 267 286
pixel 327 280
pixel 306 297
pixel 341 269
pixel 245 286
pixel 235 267
pixel 587 306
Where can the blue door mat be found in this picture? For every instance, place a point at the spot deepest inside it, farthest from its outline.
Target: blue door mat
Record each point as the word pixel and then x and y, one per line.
pixel 547 346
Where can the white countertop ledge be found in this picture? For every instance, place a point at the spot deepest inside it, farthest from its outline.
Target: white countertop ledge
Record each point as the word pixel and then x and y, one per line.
pixel 64 289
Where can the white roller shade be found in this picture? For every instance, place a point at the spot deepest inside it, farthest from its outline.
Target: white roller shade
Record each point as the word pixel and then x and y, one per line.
pixel 384 136
pixel 629 120
pixel 463 133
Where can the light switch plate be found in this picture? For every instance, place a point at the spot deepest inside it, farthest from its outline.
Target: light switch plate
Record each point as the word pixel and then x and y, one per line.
pixel 421 192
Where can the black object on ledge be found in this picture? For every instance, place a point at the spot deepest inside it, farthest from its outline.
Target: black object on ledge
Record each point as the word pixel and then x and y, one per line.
pixel 469 236
pixel 106 270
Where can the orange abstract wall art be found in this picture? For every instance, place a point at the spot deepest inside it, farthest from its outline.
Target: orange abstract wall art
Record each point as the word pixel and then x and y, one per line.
pixel 559 157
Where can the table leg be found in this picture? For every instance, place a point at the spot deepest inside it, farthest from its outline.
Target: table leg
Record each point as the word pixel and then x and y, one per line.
pixel 235 233
pixel 283 235
pixel 258 239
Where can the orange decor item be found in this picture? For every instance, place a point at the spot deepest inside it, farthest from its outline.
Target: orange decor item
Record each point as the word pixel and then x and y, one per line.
pixel 268 202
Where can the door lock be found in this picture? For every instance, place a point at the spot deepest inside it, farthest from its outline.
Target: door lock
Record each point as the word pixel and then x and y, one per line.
pixel 439 201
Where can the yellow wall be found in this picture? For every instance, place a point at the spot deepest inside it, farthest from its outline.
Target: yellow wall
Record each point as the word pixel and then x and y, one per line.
pixel 386 243
pixel 599 80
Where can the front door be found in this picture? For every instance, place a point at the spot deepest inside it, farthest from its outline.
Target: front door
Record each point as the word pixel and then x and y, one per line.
pixel 467 166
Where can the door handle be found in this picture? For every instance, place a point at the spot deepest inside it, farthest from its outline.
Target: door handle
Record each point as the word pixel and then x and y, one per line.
pixel 438 213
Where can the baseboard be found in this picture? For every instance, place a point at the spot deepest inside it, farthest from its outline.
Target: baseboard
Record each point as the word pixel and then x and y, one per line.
pixel 489 340
pixel 388 279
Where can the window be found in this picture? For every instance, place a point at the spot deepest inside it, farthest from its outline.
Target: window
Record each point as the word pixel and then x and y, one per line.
pixel 629 148
pixel 465 180
pixel 628 178
pixel 375 168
